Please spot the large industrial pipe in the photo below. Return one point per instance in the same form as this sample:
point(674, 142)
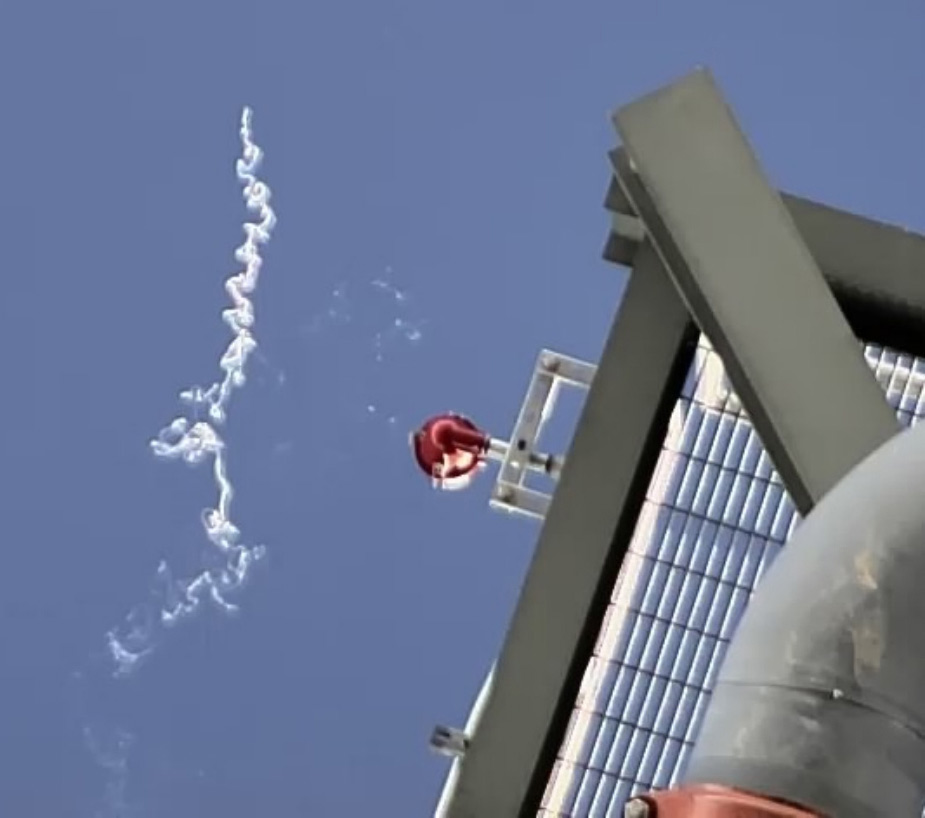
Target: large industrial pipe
point(821, 700)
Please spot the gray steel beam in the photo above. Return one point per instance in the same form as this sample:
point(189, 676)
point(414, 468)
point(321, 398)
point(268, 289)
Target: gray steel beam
point(581, 547)
point(740, 264)
point(876, 270)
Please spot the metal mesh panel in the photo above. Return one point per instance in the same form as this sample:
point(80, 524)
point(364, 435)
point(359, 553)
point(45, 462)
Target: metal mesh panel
point(715, 516)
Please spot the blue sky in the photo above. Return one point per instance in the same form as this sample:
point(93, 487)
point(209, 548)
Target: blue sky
point(455, 151)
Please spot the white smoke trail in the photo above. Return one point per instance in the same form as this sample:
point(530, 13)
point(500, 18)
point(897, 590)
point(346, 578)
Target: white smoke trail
point(194, 442)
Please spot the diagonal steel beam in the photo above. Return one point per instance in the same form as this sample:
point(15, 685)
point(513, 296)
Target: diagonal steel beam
point(582, 544)
point(741, 266)
point(876, 270)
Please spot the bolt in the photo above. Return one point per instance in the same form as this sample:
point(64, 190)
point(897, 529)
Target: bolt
point(550, 363)
point(505, 494)
point(637, 808)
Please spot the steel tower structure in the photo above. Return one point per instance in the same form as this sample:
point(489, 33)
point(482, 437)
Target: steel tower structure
point(765, 346)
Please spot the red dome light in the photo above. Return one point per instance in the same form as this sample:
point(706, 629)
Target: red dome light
point(449, 449)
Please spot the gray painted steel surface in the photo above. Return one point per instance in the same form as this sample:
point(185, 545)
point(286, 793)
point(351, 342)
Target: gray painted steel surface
point(819, 700)
point(737, 258)
point(876, 270)
point(580, 549)
point(715, 517)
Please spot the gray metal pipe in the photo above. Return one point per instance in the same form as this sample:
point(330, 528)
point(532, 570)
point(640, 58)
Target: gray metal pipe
point(821, 699)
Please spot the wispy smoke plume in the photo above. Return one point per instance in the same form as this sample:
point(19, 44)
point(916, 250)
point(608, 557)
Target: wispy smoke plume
point(195, 441)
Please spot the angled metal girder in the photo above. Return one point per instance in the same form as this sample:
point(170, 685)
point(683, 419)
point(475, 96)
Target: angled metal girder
point(740, 264)
point(581, 547)
point(876, 270)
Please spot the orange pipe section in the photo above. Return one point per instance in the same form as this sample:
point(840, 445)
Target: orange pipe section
point(711, 801)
